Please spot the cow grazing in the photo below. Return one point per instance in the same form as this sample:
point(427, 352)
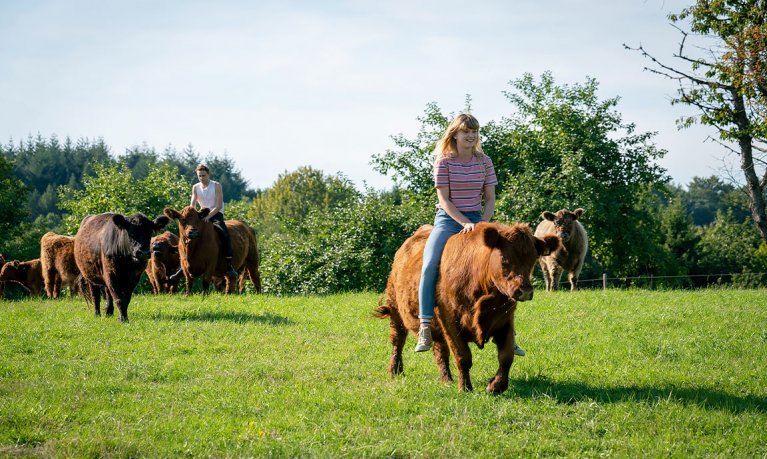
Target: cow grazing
point(201, 253)
point(57, 259)
point(112, 250)
point(482, 275)
point(163, 262)
point(570, 257)
point(27, 273)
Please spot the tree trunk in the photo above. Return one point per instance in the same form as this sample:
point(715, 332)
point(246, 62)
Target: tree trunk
point(755, 188)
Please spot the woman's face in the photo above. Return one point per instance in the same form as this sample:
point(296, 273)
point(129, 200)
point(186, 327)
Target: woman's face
point(203, 177)
point(466, 139)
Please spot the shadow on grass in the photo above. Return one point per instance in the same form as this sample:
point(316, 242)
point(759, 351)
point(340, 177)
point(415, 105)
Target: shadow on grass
point(573, 393)
point(231, 316)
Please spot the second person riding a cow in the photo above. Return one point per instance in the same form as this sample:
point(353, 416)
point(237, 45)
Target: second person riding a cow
point(208, 194)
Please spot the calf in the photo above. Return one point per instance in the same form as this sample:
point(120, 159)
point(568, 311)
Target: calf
point(482, 276)
point(28, 274)
point(575, 243)
point(57, 259)
point(163, 262)
point(112, 250)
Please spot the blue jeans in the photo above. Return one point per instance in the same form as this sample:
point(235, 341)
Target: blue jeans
point(444, 227)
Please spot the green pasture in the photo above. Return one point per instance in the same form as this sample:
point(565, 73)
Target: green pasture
point(617, 373)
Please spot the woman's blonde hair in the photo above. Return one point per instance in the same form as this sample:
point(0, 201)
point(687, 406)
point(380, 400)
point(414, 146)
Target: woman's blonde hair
point(446, 146)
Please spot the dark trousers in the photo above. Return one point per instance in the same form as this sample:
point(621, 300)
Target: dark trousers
point(223, 233)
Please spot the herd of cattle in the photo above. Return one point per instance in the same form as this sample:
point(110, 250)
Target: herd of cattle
point(110, 252)
point(483, 274)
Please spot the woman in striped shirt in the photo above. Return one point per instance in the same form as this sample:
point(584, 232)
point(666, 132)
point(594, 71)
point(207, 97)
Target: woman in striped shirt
point(462, 175)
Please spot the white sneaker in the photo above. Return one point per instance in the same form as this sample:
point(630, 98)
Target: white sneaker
point(519, 351)
point(424, 339)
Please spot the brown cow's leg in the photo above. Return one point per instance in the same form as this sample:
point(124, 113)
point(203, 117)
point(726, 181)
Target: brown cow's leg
point(546, 274)
point(442, 359)
point(96, 297)
point(48, 277)
point(556, 276)
point(505, 342)
point(573, 281)
point(189, 282)
point(56, 285)
point(397, 336)
point(462, 355)
point(122, 305)
point(110, 302)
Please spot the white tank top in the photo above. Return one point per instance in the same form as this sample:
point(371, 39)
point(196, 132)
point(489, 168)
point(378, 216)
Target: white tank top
point(207, 196)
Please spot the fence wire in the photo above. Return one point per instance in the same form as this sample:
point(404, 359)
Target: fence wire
point(741, 280)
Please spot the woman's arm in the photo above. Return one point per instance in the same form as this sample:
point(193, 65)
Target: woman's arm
point(487, 215)
point(194, 196)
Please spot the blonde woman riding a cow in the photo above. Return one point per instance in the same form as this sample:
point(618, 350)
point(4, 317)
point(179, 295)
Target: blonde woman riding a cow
point(463, 174)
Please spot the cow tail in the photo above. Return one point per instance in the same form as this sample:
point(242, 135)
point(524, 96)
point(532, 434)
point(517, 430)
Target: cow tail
point(85, 290)
point(383, 310)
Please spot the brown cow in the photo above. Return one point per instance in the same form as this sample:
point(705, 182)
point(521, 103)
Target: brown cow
point(575, 243)
point(200, 249)
point(482, 275)
point(112, 250)
point(27, 273)
point(57, 259)
point(163, 262)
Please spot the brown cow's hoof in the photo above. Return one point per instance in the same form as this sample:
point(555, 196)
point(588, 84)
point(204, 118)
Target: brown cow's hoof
point(496, 387)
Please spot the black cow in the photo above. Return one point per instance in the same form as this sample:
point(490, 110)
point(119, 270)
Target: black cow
point(111, 251)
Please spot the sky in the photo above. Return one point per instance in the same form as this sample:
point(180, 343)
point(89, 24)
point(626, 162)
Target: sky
point(275, 85)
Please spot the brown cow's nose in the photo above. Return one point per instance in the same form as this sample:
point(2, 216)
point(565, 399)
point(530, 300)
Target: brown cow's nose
point(525, 292)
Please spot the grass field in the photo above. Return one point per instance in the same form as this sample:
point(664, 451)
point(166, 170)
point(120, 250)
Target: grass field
point(617, 373)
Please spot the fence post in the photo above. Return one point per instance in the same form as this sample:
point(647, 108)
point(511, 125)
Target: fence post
point(604, 281)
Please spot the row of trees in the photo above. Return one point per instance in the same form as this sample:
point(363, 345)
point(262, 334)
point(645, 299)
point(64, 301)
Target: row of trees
point(562, 147)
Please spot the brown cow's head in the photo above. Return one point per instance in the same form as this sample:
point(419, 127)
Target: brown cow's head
point(162, 248)
point(517, 252)
point(139, 230)
point(190, 221)
point(563, 222)
point(13, 270)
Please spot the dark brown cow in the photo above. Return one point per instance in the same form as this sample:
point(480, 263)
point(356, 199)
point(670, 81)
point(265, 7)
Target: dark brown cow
point(112, 250)
point(200, 249)
point(570, 256)
point(163, 262)
point(57, 259)
point(483, 274)
point(27, 273)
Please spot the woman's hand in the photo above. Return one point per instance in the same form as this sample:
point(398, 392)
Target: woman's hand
point(467, 227)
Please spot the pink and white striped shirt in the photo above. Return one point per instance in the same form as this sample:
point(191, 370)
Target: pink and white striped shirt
point(465, 181)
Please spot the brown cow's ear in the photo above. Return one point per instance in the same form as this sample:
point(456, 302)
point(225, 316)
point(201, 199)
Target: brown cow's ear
point(204, 212)
point(547, 244)
point(546, 215)
point(171, 213)
point(578, 212)
point(160, 222)
point(120, 221)
point(490, 236)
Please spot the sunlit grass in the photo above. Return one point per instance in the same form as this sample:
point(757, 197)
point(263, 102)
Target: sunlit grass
point(616, 373)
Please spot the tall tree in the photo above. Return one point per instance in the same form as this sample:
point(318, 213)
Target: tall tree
point(725, 78)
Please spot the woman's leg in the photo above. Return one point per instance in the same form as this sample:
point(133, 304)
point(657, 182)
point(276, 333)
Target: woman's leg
point(444, 227)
